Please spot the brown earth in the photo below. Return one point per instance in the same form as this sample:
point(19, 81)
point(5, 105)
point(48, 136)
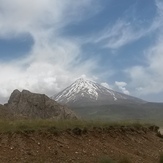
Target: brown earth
point(139, 145)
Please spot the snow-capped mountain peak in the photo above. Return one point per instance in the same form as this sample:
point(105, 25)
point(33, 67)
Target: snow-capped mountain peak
point(80, 86)
point(86, 91)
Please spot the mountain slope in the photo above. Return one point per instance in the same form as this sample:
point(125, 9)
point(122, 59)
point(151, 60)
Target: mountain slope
point(84, 92)
point(91, 100)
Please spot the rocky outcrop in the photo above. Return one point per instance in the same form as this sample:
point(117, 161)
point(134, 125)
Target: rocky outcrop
point(5, 113)
point(32, 105)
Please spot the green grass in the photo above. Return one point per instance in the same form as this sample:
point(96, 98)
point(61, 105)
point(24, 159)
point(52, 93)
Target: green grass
point(59, 125)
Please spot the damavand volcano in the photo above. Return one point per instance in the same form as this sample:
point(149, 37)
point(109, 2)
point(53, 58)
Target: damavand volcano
point(92, 100)
point(84, 92)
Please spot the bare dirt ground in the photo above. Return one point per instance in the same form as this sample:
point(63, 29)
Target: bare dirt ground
point(81, 146)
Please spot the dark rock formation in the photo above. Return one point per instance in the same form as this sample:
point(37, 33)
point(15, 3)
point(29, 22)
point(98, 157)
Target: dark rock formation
point(32, 105)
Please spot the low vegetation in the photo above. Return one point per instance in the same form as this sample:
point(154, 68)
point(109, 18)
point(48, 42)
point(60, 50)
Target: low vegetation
point(60, 125)
point(123, 131)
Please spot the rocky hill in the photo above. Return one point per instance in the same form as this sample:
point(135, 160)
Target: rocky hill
point(5, 113)
point(32, 105)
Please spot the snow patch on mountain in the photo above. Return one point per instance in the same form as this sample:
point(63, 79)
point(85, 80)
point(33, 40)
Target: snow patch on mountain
point(85, 92)
point(84, 88)
point(81, 85)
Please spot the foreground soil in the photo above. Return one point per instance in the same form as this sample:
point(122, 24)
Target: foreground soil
point(139, 145)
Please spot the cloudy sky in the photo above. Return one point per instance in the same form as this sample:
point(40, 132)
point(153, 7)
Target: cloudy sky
point(47, 44)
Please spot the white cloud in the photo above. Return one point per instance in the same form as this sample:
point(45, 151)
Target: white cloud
point(29, 16)
point(45, 72)
point(54, 61)
point(149, 79)
point(122, 87)
point(106, 85)
point(123, 32)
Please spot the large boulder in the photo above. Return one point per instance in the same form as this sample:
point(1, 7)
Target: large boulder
point(32, 105)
